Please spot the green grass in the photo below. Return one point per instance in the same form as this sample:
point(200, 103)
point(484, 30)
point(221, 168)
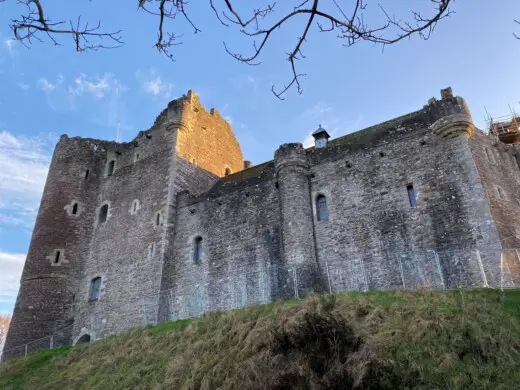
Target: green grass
point(377, 340)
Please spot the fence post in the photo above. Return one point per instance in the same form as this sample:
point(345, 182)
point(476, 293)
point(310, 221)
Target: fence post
point(143, 307)
point(439, 267)
point(483, 273)
point(52, 342)
point(171, 304)
point(400, 268)
point(295, 283)
point(328, 277)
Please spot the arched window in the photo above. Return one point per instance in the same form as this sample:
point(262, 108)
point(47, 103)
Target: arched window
point(75, 209)
point(111, 166)
point(227, 172)
point(103, 213)
point(197, 249)
point(95, 289)
point(322, 211)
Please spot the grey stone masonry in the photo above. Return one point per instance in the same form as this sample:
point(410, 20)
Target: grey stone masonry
point(175, 223)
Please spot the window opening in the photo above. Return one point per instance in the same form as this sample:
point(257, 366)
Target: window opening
point(103, 213)
point(158, 219)
point(111, 166)
point(411, 195)
point(227, 172)
point(197, 249)
point(86, 173)
point(322, 209)
point(489, 155)
point(501, 193)
point(135, 206)
point(95, 288)
point(85, 339)
point(57, 257)
point(75, 208)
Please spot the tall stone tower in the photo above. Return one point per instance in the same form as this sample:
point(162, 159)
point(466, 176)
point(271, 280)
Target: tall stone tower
point(299, 242)
point(107, 216)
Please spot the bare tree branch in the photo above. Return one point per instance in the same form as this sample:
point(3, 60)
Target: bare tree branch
point(347, 17)
point(34, 24)
point(517, 36)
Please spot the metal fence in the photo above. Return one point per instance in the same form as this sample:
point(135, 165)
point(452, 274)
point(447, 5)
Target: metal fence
point(374, 271)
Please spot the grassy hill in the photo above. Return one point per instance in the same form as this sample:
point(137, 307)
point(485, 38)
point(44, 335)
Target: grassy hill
point(379, 340)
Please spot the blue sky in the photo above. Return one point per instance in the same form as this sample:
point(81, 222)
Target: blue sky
point(47, 90)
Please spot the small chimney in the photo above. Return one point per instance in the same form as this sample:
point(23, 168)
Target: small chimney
point(321, 137)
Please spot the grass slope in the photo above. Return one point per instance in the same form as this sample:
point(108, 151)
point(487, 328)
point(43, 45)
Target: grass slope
point(378, 340)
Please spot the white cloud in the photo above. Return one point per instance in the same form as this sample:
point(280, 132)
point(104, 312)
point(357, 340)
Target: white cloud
point(23, 86)
point(10, 45)
point(45, 85)
point(11, 265)
point(317, 112)
point(154, 84)
point(25, 162)
point(97, 86)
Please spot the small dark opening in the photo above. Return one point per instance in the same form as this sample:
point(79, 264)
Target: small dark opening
point(103, 213)
point(57, 257)
point(158, 219)
point(75, 208)
point(73, 298)
point(348, 164)
point(135, 207)
point(423, 143)
point(85, 339)
point(197, 252)
point(382, 154)
point(86, 173)
point(411, 195)
point(227, 172)
point(111, 166)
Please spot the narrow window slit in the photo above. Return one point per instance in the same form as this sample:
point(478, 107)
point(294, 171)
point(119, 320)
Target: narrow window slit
point(411, 195)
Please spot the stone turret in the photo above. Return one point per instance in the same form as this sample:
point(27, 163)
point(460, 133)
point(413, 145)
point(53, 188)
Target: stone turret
point(450, 116)
point(292, 172)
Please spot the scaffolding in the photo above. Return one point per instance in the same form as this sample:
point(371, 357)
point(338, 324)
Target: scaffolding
point(506, 127)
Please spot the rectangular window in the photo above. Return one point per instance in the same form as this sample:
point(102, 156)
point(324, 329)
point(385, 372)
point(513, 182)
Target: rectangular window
point(489, 155)
point(411, 195)
point(95, 288)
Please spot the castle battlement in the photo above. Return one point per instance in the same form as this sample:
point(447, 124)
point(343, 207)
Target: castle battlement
point(178, 209)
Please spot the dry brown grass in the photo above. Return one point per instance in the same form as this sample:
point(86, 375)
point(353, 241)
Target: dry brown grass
point(398, 340)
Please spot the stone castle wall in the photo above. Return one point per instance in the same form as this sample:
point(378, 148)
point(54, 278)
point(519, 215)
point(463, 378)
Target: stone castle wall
point(184, 179)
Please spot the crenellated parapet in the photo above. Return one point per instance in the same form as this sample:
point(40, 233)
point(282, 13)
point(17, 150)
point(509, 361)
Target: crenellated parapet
point(290, 155)
point(450, 116)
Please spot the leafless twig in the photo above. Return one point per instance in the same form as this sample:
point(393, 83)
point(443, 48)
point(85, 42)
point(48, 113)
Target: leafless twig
point(347, 17)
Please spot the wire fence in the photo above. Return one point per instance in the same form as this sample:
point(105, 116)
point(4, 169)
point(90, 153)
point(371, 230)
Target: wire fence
point(240, 288)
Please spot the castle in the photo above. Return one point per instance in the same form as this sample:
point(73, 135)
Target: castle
point(178, 209)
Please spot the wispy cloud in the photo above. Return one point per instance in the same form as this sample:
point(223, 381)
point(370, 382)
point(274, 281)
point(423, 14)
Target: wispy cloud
point(324, 114)
point(11, 46)
point(11, 265)
point(96, 86)
point(24, 163)
point(153, 83)
point(45, 85)
point(23, 85)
